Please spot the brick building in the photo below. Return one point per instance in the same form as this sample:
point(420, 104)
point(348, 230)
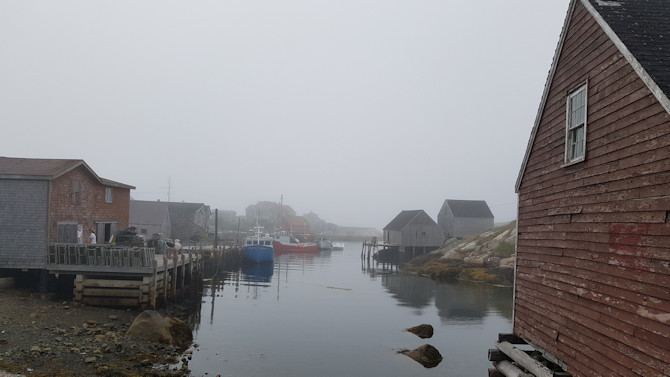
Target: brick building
point(52, 200)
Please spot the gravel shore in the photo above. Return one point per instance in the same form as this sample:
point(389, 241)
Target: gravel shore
point(40, 336)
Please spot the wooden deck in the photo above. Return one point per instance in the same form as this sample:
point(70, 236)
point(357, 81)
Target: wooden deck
point(109, 275)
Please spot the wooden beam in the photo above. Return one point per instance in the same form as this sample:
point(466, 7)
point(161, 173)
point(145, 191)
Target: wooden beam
point(510, 370)
point(532, 365)
point(495, 373)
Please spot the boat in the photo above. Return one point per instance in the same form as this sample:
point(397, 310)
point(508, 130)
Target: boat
point(285, 243)
point(338, 246)
point(257, 248)
point(324, 243)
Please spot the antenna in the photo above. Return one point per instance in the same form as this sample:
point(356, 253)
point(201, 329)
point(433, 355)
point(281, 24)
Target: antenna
point(168, 188)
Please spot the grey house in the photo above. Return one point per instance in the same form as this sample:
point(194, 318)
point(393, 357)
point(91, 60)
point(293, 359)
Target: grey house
point(189, 221)
point(150, 217)
point(462, 218)
point(413, 230)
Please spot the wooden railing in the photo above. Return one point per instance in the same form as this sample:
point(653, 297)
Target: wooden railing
point(100, 255)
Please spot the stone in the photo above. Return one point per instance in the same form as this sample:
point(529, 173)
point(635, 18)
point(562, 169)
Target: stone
point(422, 331)
point(151, 326)
point(426, 355)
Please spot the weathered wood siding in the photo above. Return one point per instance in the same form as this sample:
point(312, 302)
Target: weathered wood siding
point(23, 219)
point(593, 267)
point(461, 227)
point(422, 232)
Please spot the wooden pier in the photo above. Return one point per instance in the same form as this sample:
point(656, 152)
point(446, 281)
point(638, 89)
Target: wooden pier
point(108, 275)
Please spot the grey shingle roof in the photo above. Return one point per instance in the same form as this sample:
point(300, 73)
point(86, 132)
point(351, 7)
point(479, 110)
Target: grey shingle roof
point(644, 27)
point(402, 219)
point(469, 208)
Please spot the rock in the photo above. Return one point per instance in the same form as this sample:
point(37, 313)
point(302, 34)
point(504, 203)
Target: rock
point(426, 355)
point(151, 326)
point(422, 331)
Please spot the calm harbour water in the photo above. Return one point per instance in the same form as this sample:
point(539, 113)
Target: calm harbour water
point(330, 314)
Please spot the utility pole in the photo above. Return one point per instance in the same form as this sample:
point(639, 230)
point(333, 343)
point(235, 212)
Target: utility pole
point(216, 228)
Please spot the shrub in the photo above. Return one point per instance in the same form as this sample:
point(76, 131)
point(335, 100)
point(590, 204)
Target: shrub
point(505, 250)
point(478, 274)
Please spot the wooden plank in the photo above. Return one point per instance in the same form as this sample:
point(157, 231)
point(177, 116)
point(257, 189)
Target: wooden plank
point(530, 364)
point(111, 283)
point(495, 373)
point(100, 301)
point(117, 292)
point(510, 370)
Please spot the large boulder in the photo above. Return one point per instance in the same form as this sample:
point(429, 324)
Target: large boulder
point(426, 355)
point(151, 326)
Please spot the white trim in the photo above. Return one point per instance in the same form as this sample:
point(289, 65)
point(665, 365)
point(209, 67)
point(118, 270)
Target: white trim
point(568, 126)
point(637, 67)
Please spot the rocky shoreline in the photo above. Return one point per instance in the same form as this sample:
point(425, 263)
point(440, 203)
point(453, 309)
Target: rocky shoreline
point(487, 257)
point(40, 336)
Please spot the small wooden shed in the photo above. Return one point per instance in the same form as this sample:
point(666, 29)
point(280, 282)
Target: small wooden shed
point(45, 201)
point(414, 230)
point(593, 254)
point(462, 218)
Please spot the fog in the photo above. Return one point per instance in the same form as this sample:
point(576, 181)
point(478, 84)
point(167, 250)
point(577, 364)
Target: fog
point(354, 110)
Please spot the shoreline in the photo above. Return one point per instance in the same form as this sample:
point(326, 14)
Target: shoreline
point(43, 336)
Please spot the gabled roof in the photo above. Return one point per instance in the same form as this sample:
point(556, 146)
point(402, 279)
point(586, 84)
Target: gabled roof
point(182, 208)
point(641, 32)
point(147, 212)
point(644, 29)
point(47, 169)
point(402, 219)
point(469, 208)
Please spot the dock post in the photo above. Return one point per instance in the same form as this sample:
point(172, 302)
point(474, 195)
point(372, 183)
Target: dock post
point(154, 284)
point(173, 289)
point(166, 275)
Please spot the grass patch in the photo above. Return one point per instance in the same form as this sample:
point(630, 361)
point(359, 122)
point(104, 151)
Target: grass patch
point(505, 250)
point(439, 271)
point(478, 274)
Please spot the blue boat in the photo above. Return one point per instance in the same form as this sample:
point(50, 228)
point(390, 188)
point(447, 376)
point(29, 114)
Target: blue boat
point(258, 249)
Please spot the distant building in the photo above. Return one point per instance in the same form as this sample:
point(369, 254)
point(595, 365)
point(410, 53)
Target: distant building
point(189, 221)
point(150, 217)
point(228, 220)
point(53, 200)
point(413, 230)
point(267, 214)
point(462, 218)
point(295, 225)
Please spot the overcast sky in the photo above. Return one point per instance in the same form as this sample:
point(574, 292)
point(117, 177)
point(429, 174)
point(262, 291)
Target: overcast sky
point(352, 109)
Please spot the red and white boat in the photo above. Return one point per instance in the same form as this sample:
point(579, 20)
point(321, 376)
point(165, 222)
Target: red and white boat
point(285, 243)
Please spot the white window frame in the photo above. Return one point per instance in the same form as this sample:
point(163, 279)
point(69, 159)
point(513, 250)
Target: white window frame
point(571, 156)
point(108, 195)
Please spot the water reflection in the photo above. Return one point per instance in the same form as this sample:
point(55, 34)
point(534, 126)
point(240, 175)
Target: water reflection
point(460, 301)
point(325, 310)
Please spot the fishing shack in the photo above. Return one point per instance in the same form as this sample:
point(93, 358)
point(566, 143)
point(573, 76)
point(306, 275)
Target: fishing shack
point(414, 232)
point(593, 252)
